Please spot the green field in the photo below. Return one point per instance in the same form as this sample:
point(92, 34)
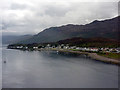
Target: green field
point(110, 55)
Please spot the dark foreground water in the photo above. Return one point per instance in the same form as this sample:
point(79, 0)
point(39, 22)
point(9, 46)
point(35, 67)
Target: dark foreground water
point(25, 69)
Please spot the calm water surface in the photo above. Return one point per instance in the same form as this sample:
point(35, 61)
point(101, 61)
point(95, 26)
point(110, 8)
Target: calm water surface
point(49, 69)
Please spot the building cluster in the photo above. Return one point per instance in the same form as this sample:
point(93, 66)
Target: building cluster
point(93, 49)
point(62, 46)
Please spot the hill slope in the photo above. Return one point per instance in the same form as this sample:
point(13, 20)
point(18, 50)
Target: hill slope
point(91, 42)
point(106, 28)
point(10, 39)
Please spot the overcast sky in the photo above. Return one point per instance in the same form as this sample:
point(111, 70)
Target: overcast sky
point(33, 16)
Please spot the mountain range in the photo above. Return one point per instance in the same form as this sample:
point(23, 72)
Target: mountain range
point(9, 39)
point(109, 28)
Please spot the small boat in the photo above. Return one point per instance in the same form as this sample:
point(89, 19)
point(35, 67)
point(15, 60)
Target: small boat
point(57, 52)
point(4, 61)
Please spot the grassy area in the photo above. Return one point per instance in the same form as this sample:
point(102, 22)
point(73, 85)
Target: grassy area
point(74, 50)
point(110, 55)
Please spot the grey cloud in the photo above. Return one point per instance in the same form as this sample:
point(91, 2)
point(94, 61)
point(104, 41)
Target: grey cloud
point(15, 6)
point(57, 10)
point(24, 18)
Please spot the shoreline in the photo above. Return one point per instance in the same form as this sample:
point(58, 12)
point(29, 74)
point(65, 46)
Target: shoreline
point(91, 55)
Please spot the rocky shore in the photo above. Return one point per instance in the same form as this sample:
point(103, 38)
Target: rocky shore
point(92, 55)
point(103, 59)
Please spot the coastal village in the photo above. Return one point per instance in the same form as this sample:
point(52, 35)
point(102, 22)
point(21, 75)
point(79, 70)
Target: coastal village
point(106, 54)
point(64, 47)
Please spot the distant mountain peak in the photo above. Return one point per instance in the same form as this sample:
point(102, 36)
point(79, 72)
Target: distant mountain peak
point(95, 21)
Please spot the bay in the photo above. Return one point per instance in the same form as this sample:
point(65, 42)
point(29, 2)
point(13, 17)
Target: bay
point(51, 69)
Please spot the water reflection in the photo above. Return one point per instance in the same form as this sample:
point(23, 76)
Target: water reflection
point(50, 69)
